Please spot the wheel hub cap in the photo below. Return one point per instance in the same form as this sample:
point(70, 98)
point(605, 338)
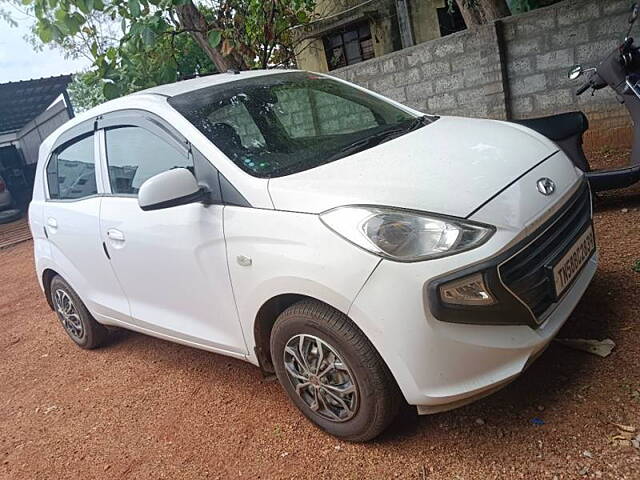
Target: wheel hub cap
point(321, 378)
point(68, 313)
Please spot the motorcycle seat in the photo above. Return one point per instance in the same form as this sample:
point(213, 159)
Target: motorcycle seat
point(558, 127)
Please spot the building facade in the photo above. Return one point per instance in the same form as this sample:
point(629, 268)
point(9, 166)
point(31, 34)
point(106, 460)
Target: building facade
point(346, 32)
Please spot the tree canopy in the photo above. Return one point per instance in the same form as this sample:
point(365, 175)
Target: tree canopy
point(134, 44)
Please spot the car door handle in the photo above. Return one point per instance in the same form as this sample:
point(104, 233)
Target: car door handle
point(116, 235)
point(52, 223)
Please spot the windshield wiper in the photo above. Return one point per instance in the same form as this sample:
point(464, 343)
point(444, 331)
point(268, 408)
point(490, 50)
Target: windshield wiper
point(371, 141)
point(359, 146)
point(381, 137)
point(422, 120)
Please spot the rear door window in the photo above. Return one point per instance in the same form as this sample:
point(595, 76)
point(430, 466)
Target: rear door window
point(71, 172)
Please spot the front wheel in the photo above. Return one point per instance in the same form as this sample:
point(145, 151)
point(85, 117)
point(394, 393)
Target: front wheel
point(332, 373)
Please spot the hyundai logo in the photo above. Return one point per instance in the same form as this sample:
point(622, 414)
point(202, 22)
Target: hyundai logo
point(546, 186)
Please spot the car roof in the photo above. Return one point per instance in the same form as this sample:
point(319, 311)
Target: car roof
point(185, 86)
point(154, 96)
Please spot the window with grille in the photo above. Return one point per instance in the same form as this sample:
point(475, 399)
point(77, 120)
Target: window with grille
point(352, 44)
point(450, 20)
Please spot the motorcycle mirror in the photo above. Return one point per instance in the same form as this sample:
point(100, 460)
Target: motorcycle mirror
point(575, 72)
point(632, 19)
point(634, 13)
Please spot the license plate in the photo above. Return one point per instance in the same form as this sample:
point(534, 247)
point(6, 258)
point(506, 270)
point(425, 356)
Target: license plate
point(572, 262)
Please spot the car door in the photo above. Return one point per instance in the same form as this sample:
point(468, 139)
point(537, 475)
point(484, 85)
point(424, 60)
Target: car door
point(171, 262)
point(72, 224)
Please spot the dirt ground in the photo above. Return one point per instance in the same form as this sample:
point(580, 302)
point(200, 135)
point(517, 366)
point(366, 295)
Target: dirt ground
point(145, 408)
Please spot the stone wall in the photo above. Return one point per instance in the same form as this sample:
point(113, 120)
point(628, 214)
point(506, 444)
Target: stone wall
point(458, 74)
point(541, 47)
point(514, 68)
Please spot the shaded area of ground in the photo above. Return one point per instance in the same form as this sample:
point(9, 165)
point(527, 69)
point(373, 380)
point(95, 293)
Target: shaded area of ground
point(145, 408)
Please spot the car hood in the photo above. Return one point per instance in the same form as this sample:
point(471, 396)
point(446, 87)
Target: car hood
point(451, 166)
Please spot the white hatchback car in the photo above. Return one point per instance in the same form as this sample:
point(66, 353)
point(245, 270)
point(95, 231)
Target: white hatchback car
point(364, 252)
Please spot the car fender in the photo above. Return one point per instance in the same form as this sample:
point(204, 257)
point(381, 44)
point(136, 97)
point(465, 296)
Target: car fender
point(272, 253)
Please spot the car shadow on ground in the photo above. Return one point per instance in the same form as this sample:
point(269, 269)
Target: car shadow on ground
point(617, 199)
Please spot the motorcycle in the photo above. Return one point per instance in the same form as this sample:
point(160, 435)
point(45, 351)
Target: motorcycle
point(620, 70)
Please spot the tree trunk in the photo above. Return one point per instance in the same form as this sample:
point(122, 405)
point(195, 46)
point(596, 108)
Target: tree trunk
point(480, 12)
point(194, 22)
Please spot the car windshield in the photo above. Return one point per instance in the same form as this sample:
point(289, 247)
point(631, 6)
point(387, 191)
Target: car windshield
point(276, 125)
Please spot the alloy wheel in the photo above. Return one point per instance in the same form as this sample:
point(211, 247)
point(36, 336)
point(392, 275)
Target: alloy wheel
point(321, 378)
point(68, 314)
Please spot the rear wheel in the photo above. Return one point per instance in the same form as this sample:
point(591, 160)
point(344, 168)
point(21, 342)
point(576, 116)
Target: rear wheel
point(76, 320)
point(332, 373)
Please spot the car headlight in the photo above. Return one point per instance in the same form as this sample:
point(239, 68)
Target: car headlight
point(405, 236)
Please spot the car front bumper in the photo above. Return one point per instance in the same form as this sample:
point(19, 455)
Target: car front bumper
point(442, 360)
point(439, 365)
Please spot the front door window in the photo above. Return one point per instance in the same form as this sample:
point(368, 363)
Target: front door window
point(134, 155)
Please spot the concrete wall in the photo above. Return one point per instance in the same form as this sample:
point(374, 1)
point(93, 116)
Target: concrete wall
point(541, 47)
point(515, 68)
point(458, 74)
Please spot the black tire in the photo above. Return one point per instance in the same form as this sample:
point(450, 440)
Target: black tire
point(10, 215)
point(83, 329)
point(378, 396)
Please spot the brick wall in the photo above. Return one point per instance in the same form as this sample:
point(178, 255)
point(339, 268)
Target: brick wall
point(515, 68)
point(458, 74)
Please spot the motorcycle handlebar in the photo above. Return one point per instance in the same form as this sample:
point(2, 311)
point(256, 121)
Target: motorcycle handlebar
point(583, 88)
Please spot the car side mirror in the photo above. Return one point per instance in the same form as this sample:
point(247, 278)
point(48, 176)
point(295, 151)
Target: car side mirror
point(169, 189)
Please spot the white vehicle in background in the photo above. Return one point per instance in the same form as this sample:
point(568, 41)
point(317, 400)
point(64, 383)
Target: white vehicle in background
point(364, 252)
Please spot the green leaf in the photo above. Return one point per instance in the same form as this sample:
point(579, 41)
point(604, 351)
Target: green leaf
point(110, 91)
point(98, 5)
point(45, 33)
point(82, 5)
point(214, 38)
point(134, 8)
point(148, 36)
point(136, 29)
point(60, 15)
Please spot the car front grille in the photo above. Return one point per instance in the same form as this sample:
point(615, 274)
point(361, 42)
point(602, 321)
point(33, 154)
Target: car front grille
point(526, 273)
